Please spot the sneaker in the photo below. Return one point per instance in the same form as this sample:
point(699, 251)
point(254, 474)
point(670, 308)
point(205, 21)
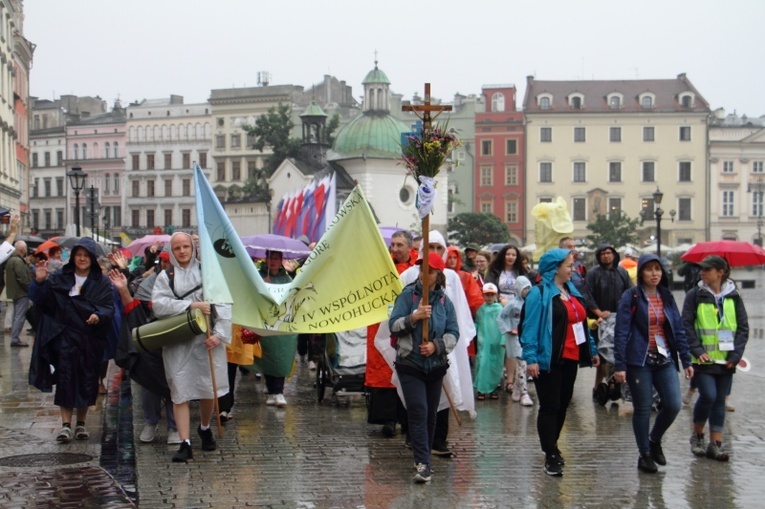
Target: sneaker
point(173, 437)
point(697, 445)
point(553, 466)
point(715, 452)
point(561, 459)
point(147, 433)
point(280, 401)
point(407, 443)
point(423, 473)
point(271, 400)
point(516, 393)
point(184, 453)
point(20, 344)
point(208, 441)
point(526, 400)
point(65, 435)
point(442, 451)
point(657, 453)
point(729, 408)
point(80, 433)
point(688, 396)
point(389, 429)
point(646, 464)
point(226, 416)
point(311, 366)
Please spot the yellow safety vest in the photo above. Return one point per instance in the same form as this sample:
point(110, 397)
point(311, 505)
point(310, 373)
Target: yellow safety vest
point(707, 326)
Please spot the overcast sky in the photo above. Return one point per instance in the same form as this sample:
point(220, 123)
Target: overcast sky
point(153, 48)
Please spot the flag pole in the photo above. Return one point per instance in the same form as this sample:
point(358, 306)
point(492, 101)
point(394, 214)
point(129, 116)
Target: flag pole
point(214, 385)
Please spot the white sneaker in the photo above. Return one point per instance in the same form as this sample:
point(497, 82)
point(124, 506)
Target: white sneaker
point(526, 400)
point(173, 437)
point(516, 393)
point(280, 401)
point(311, 366)
point(148, 432)
point(271, 400)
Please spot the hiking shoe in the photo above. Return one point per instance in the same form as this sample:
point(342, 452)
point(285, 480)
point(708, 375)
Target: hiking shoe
point(173, 437)
point(552, 465)
point(147, 433)
point(389, 429)
point(280, 401)
point(208, 442)
point(646, 463)
point(657, 453)
point(715, 452)
point(65, 435)
point(271, 400)
point(80, 433)
point(442, 451)
point(697, 445)
point(184, 453)
point(423, 473)
point(526, 400)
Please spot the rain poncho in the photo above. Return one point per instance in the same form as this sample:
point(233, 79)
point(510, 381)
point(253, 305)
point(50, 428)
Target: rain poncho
point(187, 365)
point(491, 356)
point(510, 316)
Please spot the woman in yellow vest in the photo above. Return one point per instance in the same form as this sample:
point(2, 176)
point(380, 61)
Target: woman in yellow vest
point(717, 329)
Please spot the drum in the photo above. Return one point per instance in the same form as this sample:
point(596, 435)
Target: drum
point(170, 331)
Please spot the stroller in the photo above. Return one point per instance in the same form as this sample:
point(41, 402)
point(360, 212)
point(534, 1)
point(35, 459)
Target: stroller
point(343, 364)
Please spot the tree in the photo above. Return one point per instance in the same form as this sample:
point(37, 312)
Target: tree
point(273, 130)
point(332, 126)
point(616, 229)
point(477, 228)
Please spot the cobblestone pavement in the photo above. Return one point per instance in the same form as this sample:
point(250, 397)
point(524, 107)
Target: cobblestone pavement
point(312, 455)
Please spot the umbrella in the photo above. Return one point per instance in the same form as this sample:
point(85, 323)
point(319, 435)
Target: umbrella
point(735, 252)
point(69, 243)
point(388, 231)
point(257, 245)
point(138, 246)
point(31, 240)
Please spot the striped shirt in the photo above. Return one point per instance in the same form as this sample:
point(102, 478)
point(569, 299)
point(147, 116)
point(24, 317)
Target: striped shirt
point(655, 320)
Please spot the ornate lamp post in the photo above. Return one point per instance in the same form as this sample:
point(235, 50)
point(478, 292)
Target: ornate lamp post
point(77, 181)
point(757, 188)
point(658, 213)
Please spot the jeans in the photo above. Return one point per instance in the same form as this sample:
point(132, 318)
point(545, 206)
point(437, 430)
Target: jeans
point(642, 380)
point(152, 408)
point(421, 405)
point(275, 384)
point(554, 391)
point(711, 402)
point(19, 317)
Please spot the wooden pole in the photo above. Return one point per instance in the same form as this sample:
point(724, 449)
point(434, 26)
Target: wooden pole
point(424, 271)
point(216, 408)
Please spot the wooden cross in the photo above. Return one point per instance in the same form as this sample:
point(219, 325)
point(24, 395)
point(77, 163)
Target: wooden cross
point(427, 121)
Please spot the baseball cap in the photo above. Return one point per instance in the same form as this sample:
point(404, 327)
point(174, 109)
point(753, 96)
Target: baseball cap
point(434, 261)
point(164, 256)
point(490, 288)
point(714, 262)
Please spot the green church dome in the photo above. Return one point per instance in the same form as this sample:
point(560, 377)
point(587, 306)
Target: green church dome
point(313, 110)
point(373, 134)
point(376, 76)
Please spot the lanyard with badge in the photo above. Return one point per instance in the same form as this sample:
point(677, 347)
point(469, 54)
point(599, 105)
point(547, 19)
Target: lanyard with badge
point(578, 326)
point(661, 341)
point(724, 336)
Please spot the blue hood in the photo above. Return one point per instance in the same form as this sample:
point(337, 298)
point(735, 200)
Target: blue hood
point(549, 263)
point(650, 257)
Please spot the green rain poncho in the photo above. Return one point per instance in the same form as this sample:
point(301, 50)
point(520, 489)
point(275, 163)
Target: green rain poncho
point(490, 360)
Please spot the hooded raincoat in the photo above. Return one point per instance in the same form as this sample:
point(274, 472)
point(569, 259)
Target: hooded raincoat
point(473, 292)
point(490, 360)
point(187, 364)
point(510, 317)
point(64, 342)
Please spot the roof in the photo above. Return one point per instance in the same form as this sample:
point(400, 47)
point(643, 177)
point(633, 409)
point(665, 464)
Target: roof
point(372, 134)
point(313, 110)
point(595, 95)
point(376, 76)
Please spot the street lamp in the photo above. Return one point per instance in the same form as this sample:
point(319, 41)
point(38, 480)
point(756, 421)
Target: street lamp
point(757, 188)
point(77, 181)
point(658, 213)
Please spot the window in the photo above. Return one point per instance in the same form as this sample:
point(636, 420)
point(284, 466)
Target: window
point(150, 188)
point(486, 207)
point(220, 141)
point(615, 134)
point(684, 209)
point(511, 147)
point(236, 140)
point(60, 158)
point(580, 209)
point(236, 171)
point(47, 183)
point(76, 151)
point(498, 102)
point(544, 103)
point(220, 172)
point(149, 219)
point(149, 161)
point(59, 186)
point(84, 150)
point(186, 218)
point(36, 188)
point(757, 203)
point(106, 183)
point(615, 102)
point(757, 166)
point(116, 150)
point(727, 166)
point(685, 133)
point(168, 161)
point(34, 160)
point(684, 171)
point(135, 218)
point(580, 172)
point(136, 161)
point(687, 101)
point(186, 187)
point(136, 188)
point(648, 171)
point(116, 216)
point(168, 217)
point(48, 218)
point(252, 167)
point(486, 147)
point(60, 219)
point(107, 150)
point(116, 186)
point(487, 177)
point(615, 171)
point(647, 206)
point(545, 134)
point(614, 207)
point(728, 203)
point(36, 218)
point(168, 188)
point(545, 172)
point(511, 175)
point(648, 134)
point(579, 134)
point(576, 103)
point(646, 101)
point(203, 159)
point(545, 200)
point(511, 211)
point(47, 159)
point(186, 160)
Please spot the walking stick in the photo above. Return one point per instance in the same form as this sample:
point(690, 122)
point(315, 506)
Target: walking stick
point(451, 404)
point(216, 408)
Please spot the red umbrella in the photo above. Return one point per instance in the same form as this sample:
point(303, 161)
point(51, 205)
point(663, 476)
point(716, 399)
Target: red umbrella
point(737, 253)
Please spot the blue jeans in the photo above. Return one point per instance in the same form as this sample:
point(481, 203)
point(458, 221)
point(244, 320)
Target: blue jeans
point(642, 380)
point(711, 402)
point(421, 399)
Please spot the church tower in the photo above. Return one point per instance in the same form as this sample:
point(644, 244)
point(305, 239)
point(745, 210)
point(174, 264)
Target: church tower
point(313, 149)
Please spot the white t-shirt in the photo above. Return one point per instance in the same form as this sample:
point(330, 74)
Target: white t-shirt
point(78, 282)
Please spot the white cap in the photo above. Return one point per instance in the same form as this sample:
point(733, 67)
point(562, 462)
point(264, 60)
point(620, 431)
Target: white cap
point(490, 288)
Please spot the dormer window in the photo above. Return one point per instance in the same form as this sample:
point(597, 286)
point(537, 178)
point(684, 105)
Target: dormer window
point(686, 100)
point(615, 102)
point(545, 102)
point(576, 102)
point(647, 100)
point(498, 102)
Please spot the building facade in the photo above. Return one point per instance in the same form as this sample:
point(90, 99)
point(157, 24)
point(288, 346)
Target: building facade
point(608, 145)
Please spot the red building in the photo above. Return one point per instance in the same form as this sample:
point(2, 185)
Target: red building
point(500, 160)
